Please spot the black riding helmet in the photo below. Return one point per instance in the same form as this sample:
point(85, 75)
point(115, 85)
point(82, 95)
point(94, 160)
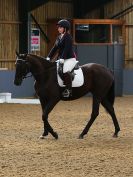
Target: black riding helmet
point(64, 23)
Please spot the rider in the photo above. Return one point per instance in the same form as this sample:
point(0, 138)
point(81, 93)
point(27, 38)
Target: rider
point(64, 46)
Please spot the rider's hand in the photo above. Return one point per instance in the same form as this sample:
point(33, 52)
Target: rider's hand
point(47, 58)
point(61, 61)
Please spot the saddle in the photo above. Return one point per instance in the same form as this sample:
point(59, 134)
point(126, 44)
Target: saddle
point(60, 70)
point(77, 75)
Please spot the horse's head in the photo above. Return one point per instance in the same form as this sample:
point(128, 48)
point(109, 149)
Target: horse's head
point(22, 68)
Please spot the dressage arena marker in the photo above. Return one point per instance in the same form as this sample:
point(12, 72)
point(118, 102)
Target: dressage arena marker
point(6, 98)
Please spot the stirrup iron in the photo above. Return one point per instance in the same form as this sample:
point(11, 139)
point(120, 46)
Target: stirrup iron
point(67, 93)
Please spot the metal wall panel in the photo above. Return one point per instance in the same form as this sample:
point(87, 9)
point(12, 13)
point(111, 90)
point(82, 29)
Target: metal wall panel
point(128, 82)
point(7, 85)
point(110, 56)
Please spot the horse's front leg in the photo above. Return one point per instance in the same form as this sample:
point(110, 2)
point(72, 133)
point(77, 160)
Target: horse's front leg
point(45, 133)
point(46, 109)
point(43, 105)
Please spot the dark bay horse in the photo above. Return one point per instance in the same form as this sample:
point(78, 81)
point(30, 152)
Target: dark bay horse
point(97, 79)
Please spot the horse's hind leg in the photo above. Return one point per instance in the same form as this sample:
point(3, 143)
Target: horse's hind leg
point(110, 109)
point(94, 114)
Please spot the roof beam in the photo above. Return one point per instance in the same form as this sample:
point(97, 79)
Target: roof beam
point(81, 8)
point(33, 4)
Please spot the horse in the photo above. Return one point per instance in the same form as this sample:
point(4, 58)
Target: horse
point(98, 80)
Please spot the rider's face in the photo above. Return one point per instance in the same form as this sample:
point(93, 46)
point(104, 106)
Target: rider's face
point(61, 30)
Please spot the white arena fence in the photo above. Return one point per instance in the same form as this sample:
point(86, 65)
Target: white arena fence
point(6, 98)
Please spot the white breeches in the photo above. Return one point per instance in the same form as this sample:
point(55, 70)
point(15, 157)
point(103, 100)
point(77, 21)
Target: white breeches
point(69, 64)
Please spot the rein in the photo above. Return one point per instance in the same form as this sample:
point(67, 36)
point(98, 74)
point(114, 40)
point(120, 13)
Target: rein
point(25, 77)
point(36, 74)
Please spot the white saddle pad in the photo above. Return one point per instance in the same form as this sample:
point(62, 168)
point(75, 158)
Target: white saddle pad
point(78, 79)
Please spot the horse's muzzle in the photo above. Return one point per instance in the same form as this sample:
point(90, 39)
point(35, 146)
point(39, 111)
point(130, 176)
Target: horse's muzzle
point(17, 82)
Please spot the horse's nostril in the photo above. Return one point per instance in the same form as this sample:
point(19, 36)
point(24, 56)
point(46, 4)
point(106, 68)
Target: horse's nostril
point(17, 82)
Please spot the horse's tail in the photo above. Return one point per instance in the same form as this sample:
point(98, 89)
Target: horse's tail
point(111, 94)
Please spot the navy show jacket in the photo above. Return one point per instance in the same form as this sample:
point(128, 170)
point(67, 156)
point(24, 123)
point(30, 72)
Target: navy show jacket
point(64, 46)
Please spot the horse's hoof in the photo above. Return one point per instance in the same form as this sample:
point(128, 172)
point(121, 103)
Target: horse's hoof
point(45, 133)
point(115, 135)
point(80, 137)
point(41, 137)
point(55, 135)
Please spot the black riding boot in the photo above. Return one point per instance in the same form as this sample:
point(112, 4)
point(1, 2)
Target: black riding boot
point(68, 82)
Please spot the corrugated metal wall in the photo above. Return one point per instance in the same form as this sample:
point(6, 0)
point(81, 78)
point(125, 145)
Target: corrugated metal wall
point(9, 26)
point(112, 8)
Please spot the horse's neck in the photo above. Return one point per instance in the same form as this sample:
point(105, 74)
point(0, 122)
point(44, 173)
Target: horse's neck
point(34, 64)
point(39, 61)
point(39, 66)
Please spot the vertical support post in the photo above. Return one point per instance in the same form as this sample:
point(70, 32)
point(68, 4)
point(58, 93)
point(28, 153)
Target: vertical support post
point(29, 32)
point(23, 33)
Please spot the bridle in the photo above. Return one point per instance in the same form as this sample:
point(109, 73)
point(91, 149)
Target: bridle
point(28, 69)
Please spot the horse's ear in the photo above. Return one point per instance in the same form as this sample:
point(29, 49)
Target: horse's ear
point(25, 55)
point(17, 53)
